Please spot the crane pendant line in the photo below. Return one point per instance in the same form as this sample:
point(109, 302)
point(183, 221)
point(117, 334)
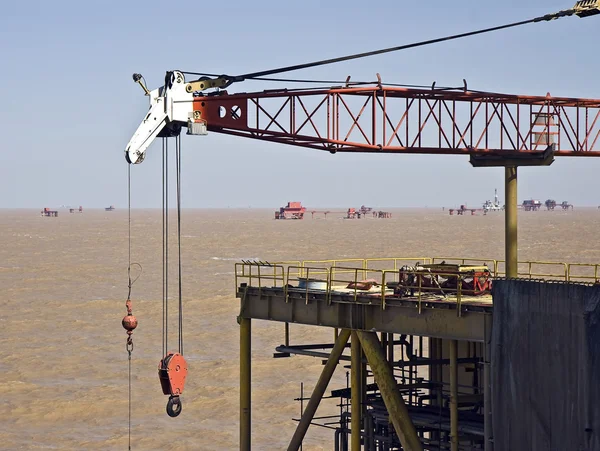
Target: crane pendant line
point(583, 8)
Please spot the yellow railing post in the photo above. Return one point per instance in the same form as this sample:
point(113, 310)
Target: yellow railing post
point(307, 270)
point(383, 290)
point(420, 284)
point(259, 281)
point(236, 276)
point(285, 286)
point(459, 294)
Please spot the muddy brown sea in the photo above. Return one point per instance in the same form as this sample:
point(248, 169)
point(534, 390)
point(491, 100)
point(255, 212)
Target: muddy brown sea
point(63, 362)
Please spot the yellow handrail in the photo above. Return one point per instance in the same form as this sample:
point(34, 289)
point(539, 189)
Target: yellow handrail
point(386, 269)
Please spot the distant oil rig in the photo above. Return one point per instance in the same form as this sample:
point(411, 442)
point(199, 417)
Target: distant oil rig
point(295, 210)
point(488, 205)
point(527, 205)
point(551, 205)
point(49, 213)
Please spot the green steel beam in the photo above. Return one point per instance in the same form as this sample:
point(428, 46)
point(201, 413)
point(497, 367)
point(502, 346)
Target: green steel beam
point(319, 390)
point(510, 219)
point(394, 403)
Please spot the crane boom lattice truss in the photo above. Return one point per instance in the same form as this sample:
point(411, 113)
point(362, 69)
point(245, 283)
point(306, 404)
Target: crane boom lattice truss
point(399, 120)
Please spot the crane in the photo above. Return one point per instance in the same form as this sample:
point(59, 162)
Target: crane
point(383, 118)
point(493, 129)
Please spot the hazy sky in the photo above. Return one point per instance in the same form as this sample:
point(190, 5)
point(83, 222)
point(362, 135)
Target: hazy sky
point(69, 105)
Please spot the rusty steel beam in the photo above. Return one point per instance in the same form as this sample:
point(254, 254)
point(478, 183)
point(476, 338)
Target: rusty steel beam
point(384, 119)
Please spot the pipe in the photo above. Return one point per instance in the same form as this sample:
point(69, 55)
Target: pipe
point(453, 395)
point(394, 403)
point(425, 362)
point(245, 387)
point(318, 391)
point(356, 392)
point(300, 351)
point(510, 221)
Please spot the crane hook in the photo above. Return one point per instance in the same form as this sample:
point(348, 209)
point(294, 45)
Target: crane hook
point(172, 371)
point(174, 406)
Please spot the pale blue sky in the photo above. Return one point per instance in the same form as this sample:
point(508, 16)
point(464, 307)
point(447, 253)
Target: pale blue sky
point(69, 105)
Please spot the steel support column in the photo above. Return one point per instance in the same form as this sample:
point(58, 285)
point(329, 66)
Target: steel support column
point(245, 387)
point(319, 390)
point(510, 218)
point(487, 387)
point(389, 391)
point(453, 395)
point(356, 392)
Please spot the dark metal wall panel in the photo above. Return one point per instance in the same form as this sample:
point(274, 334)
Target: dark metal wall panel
point(545, 366)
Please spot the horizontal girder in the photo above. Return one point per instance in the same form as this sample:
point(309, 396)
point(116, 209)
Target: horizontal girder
point(384, 119)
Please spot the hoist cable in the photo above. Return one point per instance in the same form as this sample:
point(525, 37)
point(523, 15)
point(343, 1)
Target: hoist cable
point(129, 358)
point(129, 349)
point(178, 169)
point(166, 244)
point(129, 230)
point(162, 212)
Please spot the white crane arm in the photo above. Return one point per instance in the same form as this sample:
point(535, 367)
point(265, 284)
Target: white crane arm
point(171, 107)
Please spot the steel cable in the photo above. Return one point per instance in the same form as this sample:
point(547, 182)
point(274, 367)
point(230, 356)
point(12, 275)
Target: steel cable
point(279, 70)
point(178, 169)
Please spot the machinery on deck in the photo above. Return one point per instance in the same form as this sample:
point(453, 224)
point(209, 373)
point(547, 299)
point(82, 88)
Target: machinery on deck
point(474, 280)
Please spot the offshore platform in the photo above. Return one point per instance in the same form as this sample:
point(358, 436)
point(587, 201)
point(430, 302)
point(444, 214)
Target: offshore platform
point(445, 353)
point(295, 210)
